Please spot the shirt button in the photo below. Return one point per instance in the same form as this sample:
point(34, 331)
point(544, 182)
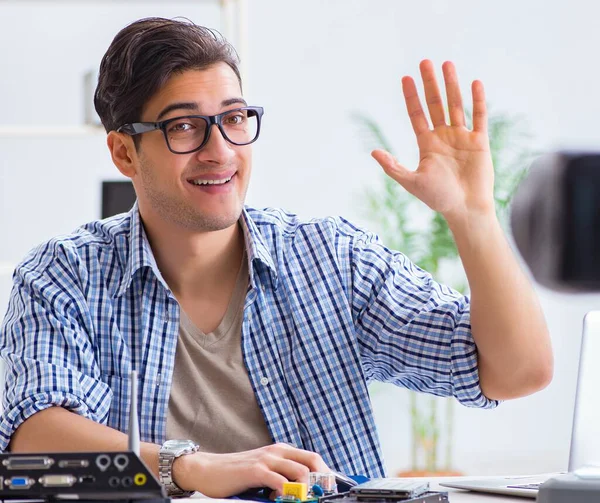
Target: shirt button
point(264, 381)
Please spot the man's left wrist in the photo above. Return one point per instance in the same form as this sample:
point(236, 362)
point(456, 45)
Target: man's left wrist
point(170, 453)
point(472, 222)
point(183, 466)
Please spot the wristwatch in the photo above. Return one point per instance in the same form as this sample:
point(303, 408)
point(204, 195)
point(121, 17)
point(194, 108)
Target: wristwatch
point(168, 453)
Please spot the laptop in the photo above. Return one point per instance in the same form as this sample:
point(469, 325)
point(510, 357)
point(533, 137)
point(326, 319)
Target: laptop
point(585, 442)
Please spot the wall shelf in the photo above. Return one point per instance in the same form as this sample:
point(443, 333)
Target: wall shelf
point(8, 131)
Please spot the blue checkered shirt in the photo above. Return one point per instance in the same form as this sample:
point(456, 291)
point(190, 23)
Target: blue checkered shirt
point(328, 310)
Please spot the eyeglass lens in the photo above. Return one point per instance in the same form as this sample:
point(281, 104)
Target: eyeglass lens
point(239, 127)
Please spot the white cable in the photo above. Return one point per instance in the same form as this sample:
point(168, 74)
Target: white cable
point(134, 427)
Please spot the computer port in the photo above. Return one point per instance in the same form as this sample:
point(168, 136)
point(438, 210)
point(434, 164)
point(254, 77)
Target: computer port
point(103, 461)
point(19, 482)
point(114, 482)
point(73, 463)
point(121, 461)
point(57, 480)
point(127, 481)
point(87, 479)
point(28, 463)
point(140, 479)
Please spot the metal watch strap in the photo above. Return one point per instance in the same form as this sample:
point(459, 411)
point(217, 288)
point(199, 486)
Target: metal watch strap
point(165, 470)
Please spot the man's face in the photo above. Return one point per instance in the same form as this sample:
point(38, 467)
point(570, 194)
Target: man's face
point(167, 184)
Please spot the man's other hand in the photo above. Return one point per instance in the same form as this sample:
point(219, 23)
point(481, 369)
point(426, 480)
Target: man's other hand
point(223, 475)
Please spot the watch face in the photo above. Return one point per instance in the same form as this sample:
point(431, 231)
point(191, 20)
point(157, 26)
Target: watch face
point(178, 444)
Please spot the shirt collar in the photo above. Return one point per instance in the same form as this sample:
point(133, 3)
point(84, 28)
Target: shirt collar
point(257, 249)
point(140, 252)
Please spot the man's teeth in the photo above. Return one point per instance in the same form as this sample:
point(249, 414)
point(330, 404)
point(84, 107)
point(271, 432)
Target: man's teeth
point(211, 182)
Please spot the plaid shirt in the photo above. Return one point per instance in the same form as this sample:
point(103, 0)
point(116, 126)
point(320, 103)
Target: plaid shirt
point(328, 310)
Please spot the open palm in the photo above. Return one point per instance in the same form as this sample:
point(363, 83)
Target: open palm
point(455, 173)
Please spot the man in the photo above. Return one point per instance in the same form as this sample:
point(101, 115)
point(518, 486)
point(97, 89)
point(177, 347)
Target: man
point(254, 333)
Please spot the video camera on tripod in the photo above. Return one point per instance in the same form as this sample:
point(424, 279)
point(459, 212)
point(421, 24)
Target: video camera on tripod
point(555, 221)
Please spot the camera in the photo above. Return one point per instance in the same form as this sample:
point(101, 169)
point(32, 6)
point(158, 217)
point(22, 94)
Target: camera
point(555, 220)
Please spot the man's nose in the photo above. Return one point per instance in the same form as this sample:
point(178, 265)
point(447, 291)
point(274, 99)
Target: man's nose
point(217, 149)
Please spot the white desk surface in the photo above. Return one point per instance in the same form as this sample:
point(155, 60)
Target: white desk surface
point(460, 496)
point(454, 495)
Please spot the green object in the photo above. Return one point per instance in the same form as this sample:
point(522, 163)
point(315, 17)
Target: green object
point(406, 224)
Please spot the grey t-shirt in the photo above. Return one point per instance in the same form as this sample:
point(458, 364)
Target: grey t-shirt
point(212, 401)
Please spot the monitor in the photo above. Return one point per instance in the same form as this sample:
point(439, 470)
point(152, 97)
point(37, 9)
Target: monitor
point(117, 197)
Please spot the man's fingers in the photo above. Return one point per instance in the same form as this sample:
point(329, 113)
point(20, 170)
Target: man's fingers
point(272, 479)
point(290, 469)
point(278, 470)
point(479, 107)
point(394, 169)
point(433, 96)
point(455, 104)
point(270, 466)
point(309, 459)
point(413, 106)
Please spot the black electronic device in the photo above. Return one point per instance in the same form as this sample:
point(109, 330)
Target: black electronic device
point(84, 476)
point(87, 475)
point(555, 220)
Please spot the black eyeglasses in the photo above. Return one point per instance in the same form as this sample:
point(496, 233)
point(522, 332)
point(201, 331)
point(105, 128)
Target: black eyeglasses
point(190, 133)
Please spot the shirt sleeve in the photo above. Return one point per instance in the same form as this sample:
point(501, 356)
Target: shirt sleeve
point(46, 341)
point(412, 331)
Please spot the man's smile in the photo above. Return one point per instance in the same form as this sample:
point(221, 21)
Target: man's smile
point(219, 181)
point(214, 183)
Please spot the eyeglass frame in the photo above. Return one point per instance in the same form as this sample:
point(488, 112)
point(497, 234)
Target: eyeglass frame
point(135, 128)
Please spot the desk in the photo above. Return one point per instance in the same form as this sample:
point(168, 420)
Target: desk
point(454, 495)
point(460, 496)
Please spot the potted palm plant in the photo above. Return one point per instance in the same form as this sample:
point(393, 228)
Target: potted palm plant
point(430, 245)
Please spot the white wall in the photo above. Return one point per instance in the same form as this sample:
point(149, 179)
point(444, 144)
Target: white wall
point(311, 63)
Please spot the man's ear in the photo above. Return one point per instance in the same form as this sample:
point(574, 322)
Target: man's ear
point(123, 152)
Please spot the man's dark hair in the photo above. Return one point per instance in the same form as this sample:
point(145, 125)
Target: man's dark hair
point(144, 55)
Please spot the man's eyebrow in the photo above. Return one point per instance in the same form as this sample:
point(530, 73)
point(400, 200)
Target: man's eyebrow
point(193, 107)
point(234, 101)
